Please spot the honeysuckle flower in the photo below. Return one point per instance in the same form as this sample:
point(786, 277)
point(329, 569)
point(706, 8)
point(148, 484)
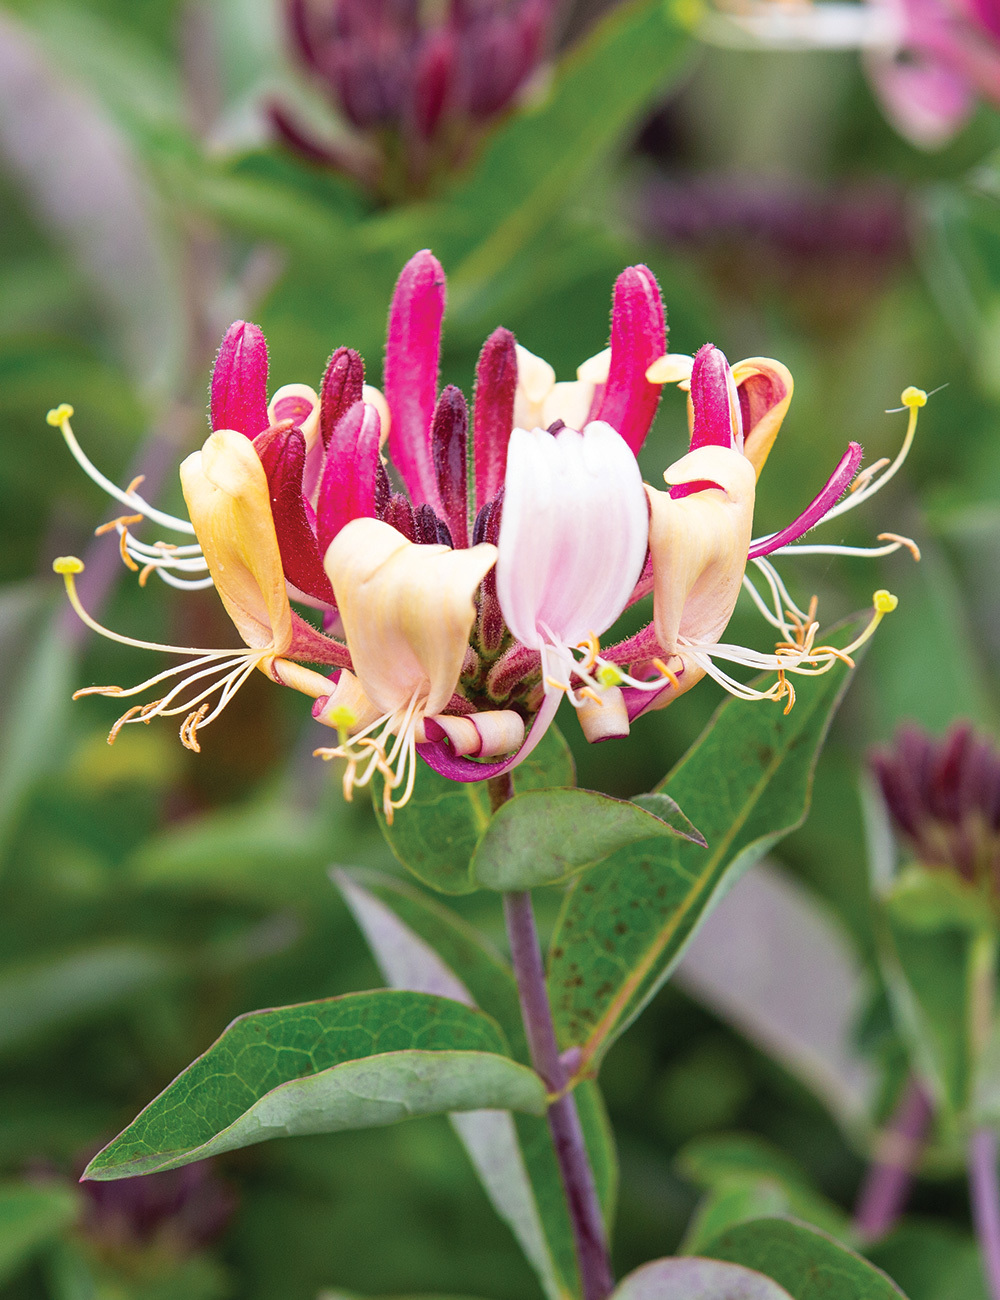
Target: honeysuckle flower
point(457, 612)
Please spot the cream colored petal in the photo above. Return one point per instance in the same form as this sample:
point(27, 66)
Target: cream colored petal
point(535, 376)
point(766, 387)
point(673, 368)
point(605, 718)
point(595, 369)
point(226, 491)
point(568, 401)
point(407, 611)
point(699, 545)
point(300, 403)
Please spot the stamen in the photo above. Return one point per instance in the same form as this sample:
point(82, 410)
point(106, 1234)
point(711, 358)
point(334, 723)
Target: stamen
point(913, 399)
point(59, 418)
point(403, 754)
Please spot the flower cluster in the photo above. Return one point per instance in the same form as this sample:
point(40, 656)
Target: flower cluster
point(463, 595)
point(944, 799)
point(416, 84)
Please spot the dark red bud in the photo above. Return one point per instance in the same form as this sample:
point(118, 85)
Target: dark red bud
point(282, 452)
point(449, 436)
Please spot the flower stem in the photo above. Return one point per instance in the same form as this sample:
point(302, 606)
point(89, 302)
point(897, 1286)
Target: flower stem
point(589, 1234)
point(886, 1185)
point(985, 1197)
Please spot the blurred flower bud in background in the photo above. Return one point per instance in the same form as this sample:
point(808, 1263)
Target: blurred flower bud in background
point(944, 800)
point(417, 84)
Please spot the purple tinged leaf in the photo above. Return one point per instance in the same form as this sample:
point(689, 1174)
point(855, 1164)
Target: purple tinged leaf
point(412, 357)
point(282, 452)
point(493, 412)
point(697, 1279)
point(638, 338)
point(239, 381)
point(343, 382)
point(449, 438)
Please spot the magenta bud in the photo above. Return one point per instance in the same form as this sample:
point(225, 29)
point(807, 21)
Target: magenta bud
point(282, 452)
point(343, 382)
point(493, 412)
point(717, 420)
point(239, 381)
point(638, 338)
point(412, 356)
point(449, 436)
point(347, 489)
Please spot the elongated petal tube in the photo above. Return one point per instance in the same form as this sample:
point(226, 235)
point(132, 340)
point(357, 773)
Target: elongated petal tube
point(239, 381)
point(227, 496)
point(411, 372)
point(407, 611)
point(638, 337)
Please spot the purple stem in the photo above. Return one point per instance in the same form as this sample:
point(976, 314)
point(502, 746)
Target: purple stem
point(564, 1119)
point(985, 1197)
point(886, 1186)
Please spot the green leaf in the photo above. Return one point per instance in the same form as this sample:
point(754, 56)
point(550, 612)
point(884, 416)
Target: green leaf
point(932, 1261)
point(54, 991)
point(746, 782)
point(545, 836)
point(543, 157)
point(697, 1279)
point(436, 833)
point(924, 900)
point(808, 1263)
point(423, 942)
point(350, 1062)
point(745, 1178)
point(668, 810)
point(30, 1216)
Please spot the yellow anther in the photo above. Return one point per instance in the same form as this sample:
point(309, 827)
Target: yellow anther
point(59, 415)
point(67, 564)
point(671, 677)
point(884, 601)
point(608, 675)
point(913, 397)
point(588, 694)
point(908, 542)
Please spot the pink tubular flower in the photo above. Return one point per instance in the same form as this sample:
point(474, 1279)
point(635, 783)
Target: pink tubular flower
point(457, 611)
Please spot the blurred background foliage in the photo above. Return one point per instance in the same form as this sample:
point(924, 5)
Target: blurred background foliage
point(149, 895)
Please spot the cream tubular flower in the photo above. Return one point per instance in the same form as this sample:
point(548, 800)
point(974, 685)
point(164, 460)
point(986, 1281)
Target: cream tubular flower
point(407, 610)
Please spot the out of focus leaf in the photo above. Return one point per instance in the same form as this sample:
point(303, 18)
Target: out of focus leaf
point(773, 962)
point(927, 900)
point(357, 1061)
point(544, 157)
point(623, 927)
point(932, 1261)
point(88, 190)
point(436, 833)
point(808, 1263)
point(30, 1216)
point(746, 1178)
point(543, 837)
point(53, 992)
point(697, 1279)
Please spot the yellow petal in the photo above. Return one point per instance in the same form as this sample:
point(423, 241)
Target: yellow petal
point(226, 491)
point(672, 368)
point(699, 545)
point(595, 369)
point(766, 387)
point(568, 401)
point(407, 611)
